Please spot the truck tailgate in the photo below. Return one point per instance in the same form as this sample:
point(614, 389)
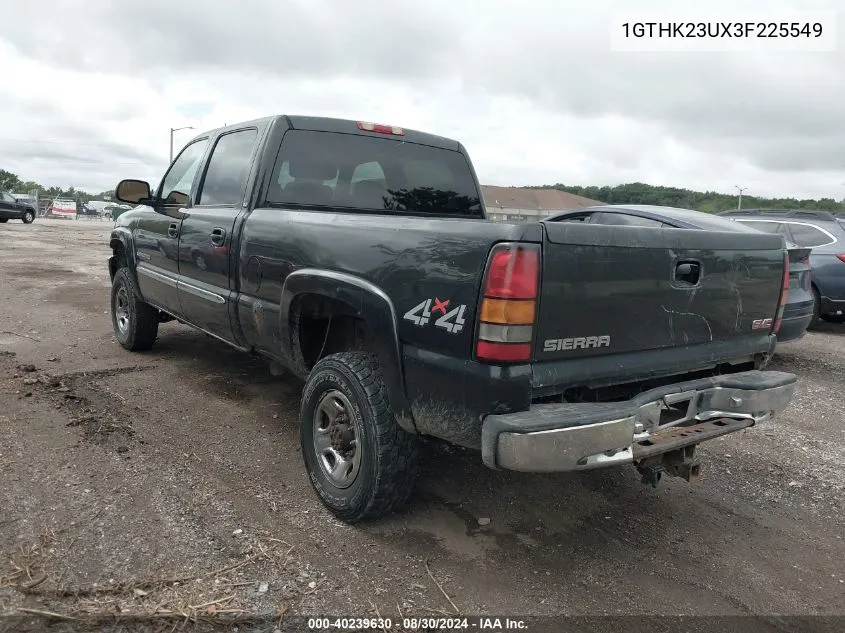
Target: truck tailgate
point(616, 290)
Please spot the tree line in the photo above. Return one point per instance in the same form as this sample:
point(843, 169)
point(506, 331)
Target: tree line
point(632, 193)
point(707, 201)
point(13, 183)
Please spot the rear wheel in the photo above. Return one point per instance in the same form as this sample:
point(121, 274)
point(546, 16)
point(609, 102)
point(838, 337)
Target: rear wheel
point(4, 220)
point(135, 323)
point(28, 217)
point(360, 462)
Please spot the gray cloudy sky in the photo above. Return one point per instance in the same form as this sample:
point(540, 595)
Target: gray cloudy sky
point(91, 88)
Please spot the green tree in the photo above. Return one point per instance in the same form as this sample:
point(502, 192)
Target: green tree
point(8, 180)
point(707, 201)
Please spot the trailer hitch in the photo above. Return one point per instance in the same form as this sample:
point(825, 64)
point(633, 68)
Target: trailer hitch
point(678, 463)
point(651, 474)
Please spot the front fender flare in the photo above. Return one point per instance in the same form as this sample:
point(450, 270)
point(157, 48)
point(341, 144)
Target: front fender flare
point(373, 305)
point(121, 237)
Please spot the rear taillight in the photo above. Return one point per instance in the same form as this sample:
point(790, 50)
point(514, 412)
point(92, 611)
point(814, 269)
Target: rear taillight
point(784, 294)
point(509, 304)
point(841, 258)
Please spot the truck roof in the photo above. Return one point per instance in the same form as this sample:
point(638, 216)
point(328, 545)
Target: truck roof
point(343, 126)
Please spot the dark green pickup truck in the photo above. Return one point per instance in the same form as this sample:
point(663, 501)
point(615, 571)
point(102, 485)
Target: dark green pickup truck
point(358, 257)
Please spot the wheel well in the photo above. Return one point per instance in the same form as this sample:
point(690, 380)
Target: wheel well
point(322, 326)
point(118, 259)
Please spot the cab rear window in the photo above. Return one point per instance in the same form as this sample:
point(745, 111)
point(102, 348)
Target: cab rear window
point(351, 171)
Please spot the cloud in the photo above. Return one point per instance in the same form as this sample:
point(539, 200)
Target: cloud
point(532, 90)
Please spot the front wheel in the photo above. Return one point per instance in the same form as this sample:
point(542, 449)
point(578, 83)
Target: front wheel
point(360, 462)
point(135, 323)
point(28, 217)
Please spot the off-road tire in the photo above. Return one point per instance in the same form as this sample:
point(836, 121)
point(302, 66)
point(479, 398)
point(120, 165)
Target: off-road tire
point(28, 217)
point(390, 455)
point(141, 329)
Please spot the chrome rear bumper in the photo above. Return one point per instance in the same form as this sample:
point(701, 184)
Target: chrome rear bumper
point(565, 437)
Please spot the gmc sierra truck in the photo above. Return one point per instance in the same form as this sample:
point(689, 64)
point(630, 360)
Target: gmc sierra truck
point(357, 256)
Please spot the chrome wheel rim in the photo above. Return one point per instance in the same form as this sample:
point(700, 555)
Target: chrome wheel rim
point(29, 217)
point(121, 309)
point(336, 434)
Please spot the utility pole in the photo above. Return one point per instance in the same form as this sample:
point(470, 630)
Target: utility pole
point(739, 203)
point(176, 129)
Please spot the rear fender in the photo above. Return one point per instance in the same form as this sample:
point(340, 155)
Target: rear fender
point(371, 304)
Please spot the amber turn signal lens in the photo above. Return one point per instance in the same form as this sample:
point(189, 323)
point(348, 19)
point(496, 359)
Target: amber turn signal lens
point(507, 312)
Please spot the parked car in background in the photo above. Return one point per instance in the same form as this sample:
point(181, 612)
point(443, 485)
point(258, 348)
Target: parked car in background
point(821, 231)
point(12, 209)
point(87, 212)
point(99, 206)
point(798, 312)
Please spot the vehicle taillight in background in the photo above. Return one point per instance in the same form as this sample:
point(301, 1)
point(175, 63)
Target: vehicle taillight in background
point(509, 307)
point(841, 258)
point(784, 294)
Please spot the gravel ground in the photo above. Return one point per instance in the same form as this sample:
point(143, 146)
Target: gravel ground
point(170, 482)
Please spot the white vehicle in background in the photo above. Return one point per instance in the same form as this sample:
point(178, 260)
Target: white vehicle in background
point(63, 208)
point(99, 206)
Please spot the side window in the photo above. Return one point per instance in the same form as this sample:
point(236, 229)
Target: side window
point(582, 218)
point(177, 184)
point(766, 227)
point(806, 235)
point(7, 197)
point(228, 169)
point(620, 219)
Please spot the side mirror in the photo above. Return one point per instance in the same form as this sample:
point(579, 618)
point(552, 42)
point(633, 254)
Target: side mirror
point(133, 191)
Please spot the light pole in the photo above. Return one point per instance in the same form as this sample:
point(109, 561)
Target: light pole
point(176, 129)
point(739, 203)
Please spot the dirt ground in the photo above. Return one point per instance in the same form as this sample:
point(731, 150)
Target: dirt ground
point(170, 483)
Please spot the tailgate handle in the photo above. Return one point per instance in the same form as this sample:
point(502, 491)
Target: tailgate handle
point(688, 272)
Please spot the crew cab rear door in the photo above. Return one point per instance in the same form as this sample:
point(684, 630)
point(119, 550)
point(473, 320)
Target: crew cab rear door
point(207, 238)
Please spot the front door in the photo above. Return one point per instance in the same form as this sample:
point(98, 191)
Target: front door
point(157, 232)
point(207, 234)
point(8, 207)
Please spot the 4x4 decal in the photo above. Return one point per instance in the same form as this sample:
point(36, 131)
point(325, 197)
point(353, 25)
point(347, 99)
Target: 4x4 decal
point(450, 320)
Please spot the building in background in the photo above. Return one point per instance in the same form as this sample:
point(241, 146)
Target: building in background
point(515, 204)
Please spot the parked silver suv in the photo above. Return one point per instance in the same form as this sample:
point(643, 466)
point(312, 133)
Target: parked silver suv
point(824, 233)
